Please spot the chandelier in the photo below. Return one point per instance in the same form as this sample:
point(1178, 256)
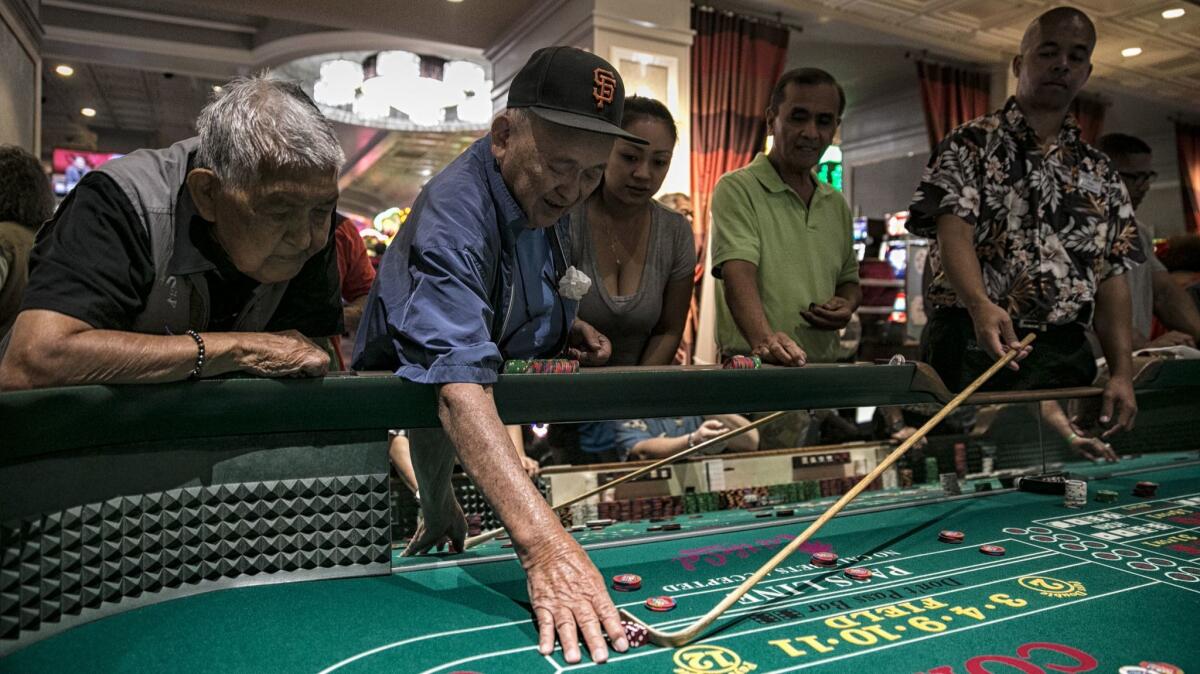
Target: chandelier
point(397, 86)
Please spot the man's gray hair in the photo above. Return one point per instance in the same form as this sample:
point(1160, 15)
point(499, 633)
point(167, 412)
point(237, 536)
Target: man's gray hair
point(258, 124)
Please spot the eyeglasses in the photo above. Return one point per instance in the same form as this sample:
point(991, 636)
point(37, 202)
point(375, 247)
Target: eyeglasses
point(1140, 178)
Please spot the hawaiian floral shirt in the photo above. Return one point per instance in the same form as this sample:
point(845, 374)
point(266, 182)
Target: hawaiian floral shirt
point(1049, 228)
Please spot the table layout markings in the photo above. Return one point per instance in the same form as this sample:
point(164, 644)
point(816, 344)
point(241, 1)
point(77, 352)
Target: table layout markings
point(1118, 568)
point(789, 624)
point(959, 631)
point(837, 594)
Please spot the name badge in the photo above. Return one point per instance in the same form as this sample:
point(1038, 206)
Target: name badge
point(1091, 184)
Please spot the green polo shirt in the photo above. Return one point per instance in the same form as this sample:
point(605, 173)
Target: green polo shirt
point(803, 253)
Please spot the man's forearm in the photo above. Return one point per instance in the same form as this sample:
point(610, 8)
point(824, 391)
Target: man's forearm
point(468, 413)
point(1114, 325)
point(746, 442)
point(959, 260)
point(745, 304)
point(851, 292)
point(51, 349)
point(657, 448)
point(1174, 307)
point(1056, 418)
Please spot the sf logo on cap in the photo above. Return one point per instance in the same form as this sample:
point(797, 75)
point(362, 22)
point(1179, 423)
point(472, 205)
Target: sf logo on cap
point(606, 87)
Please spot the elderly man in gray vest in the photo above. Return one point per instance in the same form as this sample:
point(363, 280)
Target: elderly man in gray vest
point(213, 255)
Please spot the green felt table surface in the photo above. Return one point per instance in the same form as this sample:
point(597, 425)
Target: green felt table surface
point(1096, 588)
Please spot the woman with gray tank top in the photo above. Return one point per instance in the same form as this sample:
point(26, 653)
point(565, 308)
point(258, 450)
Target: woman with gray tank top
point(639, 254)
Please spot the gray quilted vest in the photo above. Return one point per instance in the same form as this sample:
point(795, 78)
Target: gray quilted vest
point(151, 180)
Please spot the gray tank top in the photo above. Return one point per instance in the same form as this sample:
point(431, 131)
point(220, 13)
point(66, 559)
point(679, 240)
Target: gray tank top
point(628, 320)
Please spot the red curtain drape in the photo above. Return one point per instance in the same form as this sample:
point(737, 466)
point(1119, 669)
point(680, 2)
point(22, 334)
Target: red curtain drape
point(951, 96)
point(1089, 115)
point(1187, 142)
point(735, 63)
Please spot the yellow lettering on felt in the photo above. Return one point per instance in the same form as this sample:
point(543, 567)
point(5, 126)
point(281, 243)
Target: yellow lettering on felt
point(786, 646)
point(929, 602)
point(867, 615)
point(840, 622)
point(892, 611)
point(909, 605)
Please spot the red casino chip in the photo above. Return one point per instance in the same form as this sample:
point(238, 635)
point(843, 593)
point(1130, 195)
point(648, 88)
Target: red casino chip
point(949, 536)
point(824, 559)
point(627, 582)
point(858, 573)
point(663, 603)
point(994, 550)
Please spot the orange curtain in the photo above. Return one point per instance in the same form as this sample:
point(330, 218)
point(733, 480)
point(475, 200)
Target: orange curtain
point(1187, 141)
point(951, 97)
point(735, 63)
point(1089, 115)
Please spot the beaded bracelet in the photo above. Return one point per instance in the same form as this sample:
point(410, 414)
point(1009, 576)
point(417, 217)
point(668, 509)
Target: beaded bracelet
point(195, 373)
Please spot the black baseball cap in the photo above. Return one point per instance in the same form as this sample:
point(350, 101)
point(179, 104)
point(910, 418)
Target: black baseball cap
point(573, 88)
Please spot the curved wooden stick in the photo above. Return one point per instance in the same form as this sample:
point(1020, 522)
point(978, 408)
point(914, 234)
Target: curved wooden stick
point(684, 636)
point(731, 433)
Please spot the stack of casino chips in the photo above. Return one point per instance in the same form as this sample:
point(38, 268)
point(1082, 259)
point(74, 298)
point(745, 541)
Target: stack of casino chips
point(857, 573)
point(823, 559)
point(541, 366)
point(1075, 495)
point(1145, 489)
point(949, 536)
point(1106, 496)
point(627, 582)
point(742, 363)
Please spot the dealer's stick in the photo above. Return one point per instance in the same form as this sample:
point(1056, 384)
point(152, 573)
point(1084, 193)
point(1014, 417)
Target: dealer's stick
point(690, 632)
point(731, 433)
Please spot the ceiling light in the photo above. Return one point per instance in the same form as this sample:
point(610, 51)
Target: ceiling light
point(1131, 51)
point(217, 89)
point(454, 1)
point(88, 112)
point(64, 70)
point(1173, 13)
point(476, 109)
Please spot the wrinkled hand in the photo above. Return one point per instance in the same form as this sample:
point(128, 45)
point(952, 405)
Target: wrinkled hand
point(281, 354)
point(1172, 338)
point(569, 596)
point(780, 349)
point(833, 314)
point(1092, 449)
point(1118, 399)
point(442, 522)
point(995, 335)
point(531, 466)
point(906, 433)
point(587, 345)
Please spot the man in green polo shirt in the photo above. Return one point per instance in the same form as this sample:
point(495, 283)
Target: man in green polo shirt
point(782, 242)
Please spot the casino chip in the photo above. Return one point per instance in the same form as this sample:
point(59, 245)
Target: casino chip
point(824, 559)
point(627, 582)
point(672, 526)
point(661, 603)
point(949, 536)
point(635, 634)
point(784, 512)
point(858, 573)
point(994, 550)
point(1145, 489)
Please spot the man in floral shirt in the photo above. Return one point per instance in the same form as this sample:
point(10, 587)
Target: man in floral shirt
point(1034, 231)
